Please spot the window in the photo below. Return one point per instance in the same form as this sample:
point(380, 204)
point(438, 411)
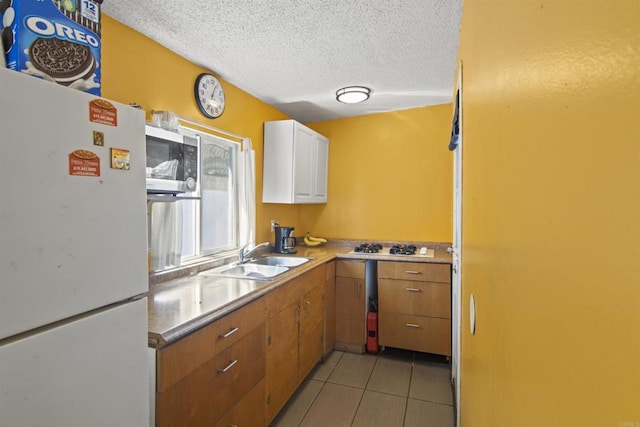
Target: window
point(207, 221)
point(210, 224)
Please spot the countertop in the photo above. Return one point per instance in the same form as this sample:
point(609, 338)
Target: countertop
point(180, 306)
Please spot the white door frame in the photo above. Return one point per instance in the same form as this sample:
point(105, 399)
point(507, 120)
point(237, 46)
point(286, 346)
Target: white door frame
point(456, 252)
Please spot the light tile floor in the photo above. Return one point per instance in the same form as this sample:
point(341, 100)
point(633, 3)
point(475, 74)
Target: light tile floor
point(394, 388)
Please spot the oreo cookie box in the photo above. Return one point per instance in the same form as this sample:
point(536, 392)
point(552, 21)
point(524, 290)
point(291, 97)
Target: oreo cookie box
point(56, 40)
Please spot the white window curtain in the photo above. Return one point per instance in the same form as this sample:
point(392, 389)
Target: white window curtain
point(248, 194)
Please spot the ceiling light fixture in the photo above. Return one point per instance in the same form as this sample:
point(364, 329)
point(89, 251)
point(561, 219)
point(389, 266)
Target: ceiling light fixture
point(353, 94)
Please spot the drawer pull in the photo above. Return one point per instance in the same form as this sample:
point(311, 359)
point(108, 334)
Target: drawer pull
point(228, 334)
point(412, 325)
point(229, 366)
point(412, 289)
point(412, 272)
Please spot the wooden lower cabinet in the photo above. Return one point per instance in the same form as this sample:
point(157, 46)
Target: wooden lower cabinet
point(207, 394)
point(295, 329)
point(203, 377)
point(414, 302)
point(249, 412)
point(311, 330)
point(419, 333)
point(282, 348)
point(350, 305)
point(242, 369)
point(329, 307)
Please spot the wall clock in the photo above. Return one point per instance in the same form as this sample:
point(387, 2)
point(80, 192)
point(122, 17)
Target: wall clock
point(209, 95)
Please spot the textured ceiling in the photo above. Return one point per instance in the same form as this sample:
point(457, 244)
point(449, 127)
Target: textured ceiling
point(294, 55)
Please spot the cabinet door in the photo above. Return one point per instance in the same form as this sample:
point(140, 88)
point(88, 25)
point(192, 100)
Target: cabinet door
point(311, 329)
point(282, 366)
point(350, 310)
point(330, 307)
point(303, 164)
point(321, 169)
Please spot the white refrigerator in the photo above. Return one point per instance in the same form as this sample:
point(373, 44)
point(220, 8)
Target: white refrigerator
point(73, 258)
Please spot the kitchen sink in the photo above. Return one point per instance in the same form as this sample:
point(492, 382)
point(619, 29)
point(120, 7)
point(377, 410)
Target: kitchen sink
point(248, 271)
point(283, 261)
point(265, 268)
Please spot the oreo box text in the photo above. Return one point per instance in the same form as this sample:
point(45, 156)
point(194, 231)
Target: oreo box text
point(56, 40)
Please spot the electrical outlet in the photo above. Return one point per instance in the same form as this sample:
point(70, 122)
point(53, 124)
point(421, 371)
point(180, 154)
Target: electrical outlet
point(273, 225)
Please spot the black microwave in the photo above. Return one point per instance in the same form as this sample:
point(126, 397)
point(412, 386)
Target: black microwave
point(172, 162)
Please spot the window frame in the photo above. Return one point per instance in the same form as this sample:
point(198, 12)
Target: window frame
point(235, 182)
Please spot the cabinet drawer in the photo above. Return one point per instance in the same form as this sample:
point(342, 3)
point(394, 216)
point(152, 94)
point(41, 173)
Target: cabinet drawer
point(350, 269)
point(419, 333)
point(211, 391)
point(330, 270)
point(419, 298)
point(418, 271)
point(279, 299)
point(185, 356)
point(249, 412)
point(312, 280)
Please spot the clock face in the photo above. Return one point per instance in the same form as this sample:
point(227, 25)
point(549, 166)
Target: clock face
point(209, 95)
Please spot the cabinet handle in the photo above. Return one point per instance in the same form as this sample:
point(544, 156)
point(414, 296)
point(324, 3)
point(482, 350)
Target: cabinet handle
point(228, 334)
point(308, 308)
point(412, 272)
point(359, 289)
point(412, 325)
point(297, 315)
point(231, 364)
point(412, 289)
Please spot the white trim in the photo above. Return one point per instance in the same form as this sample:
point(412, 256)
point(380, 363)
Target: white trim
point(456, 282)
point(211, 128)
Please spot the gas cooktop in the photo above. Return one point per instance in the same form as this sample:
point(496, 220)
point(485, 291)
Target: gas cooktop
point(403, 250)
point(368, 248)
point(395, 249)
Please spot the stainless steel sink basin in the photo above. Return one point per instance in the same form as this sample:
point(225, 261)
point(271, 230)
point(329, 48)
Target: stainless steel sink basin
point(265, 268)
point(248, 271)
point(283, 261)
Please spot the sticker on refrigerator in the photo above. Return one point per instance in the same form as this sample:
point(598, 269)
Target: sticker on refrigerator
point(120, 159)
point(104, 112)
point(84, 163)
point(98, 138)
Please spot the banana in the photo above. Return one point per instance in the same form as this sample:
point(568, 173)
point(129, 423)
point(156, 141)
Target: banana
point(313, 241)
point(316, 239)
point(310, 243)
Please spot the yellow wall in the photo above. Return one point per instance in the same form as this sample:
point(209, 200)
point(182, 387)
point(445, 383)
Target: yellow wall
point(551, 244)
point(401, 188)
point(137, 69)
point(390, 177)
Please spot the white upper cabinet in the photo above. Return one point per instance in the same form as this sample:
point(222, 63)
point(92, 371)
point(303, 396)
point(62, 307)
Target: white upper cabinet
point(296, 162)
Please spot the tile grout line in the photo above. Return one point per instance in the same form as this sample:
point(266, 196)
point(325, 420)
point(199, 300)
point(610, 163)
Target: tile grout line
point(363, 391)
point(424, 400)
point(406, 403)
point(311, 405)
point(321, 388)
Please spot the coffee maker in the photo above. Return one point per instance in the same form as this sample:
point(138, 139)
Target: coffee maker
point(285, 242)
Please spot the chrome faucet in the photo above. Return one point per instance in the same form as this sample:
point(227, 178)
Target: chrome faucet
point(244, 255)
